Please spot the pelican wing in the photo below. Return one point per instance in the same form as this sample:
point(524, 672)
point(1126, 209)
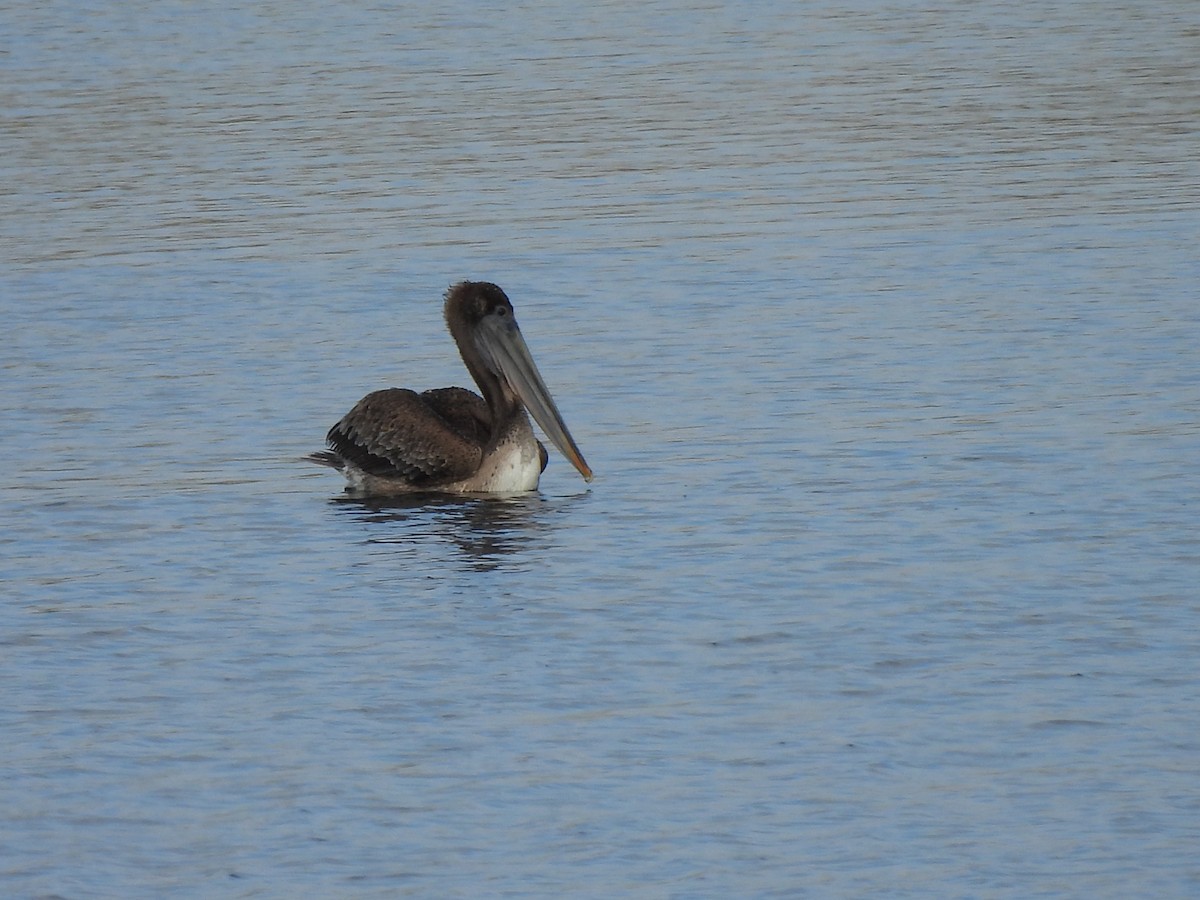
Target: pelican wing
point(421, 438)
point(464, 411)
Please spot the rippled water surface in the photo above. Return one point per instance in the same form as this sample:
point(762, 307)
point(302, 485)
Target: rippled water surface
point(878, 323)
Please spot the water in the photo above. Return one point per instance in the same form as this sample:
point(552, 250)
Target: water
point(877, 323)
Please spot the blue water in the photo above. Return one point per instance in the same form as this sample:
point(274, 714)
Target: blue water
point(877, 322)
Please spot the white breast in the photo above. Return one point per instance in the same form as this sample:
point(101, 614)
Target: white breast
point(512, 467)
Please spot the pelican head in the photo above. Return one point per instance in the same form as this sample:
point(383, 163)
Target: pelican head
point(481, 320)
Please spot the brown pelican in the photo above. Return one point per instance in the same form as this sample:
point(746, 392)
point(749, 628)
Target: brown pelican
point(397, 441)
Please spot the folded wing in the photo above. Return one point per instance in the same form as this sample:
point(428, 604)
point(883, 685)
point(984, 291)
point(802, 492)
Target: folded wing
point(427, 438)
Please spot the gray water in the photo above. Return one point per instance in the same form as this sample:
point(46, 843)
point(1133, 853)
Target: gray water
point(877, 321)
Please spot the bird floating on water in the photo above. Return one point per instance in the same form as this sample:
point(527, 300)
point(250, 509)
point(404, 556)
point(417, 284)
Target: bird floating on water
point(397, 441)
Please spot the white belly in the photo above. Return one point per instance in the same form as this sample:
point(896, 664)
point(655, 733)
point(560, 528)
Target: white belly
point(510, 469)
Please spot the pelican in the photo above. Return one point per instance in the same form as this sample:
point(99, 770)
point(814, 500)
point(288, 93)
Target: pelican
point(397, 441)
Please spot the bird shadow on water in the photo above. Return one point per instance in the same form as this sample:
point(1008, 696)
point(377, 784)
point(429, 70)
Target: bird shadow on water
point(486, 533)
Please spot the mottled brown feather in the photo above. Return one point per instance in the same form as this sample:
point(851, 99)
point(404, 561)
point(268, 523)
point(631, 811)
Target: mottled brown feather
point(402, 434)
point(463, 410)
